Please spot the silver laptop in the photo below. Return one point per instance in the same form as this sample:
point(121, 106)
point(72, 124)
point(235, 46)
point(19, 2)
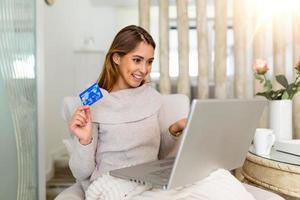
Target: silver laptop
point(218, 134)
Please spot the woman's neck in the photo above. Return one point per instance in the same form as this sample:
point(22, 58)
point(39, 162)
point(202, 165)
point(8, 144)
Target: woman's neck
point(118, 88)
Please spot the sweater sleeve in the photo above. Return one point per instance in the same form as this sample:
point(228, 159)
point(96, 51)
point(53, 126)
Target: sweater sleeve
point(174, 108)
point(82, 157)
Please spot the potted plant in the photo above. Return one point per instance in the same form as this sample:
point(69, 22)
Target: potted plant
point(280, 99)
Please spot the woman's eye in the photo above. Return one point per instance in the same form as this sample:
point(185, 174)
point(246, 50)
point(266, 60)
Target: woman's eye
point(136, 60)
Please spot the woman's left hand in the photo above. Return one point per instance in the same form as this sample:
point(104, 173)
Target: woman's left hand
point(177, 127)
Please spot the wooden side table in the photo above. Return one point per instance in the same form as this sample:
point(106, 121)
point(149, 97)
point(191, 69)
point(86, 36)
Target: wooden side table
point(279, 172)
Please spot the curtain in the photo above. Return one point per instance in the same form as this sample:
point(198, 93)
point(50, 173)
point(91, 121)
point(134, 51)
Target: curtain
point(256, 35)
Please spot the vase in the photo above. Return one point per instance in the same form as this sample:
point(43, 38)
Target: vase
point(281, 119)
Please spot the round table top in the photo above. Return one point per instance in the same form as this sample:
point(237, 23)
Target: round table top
point(278, 156)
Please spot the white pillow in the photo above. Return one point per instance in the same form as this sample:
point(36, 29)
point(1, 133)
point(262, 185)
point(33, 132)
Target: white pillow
point(219, 185)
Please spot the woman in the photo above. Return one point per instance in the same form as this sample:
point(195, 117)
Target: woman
point(123, 128)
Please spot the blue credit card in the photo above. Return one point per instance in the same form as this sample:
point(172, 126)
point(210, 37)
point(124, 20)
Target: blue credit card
point(91, 95)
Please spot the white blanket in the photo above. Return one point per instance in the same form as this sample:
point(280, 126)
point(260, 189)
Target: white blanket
point(219, 185)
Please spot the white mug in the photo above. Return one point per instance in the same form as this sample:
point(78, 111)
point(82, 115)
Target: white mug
point(263, 141)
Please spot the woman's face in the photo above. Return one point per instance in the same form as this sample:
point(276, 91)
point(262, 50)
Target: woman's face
point(134, 66)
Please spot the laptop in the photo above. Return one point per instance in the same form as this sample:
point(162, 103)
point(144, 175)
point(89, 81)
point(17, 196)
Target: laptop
point(217, 135)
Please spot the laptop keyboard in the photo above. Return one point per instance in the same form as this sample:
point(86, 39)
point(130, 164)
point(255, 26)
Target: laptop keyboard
point(164, 173)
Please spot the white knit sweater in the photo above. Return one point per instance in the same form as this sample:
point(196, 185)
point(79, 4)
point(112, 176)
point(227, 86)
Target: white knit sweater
point(127, 130)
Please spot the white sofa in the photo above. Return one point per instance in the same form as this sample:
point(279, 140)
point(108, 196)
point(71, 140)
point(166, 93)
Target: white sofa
point(175, 104)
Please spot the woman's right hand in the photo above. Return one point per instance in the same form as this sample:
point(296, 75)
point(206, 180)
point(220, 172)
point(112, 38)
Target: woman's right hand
point(81, 124)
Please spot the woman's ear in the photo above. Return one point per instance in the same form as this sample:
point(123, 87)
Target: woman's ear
point(116, 58)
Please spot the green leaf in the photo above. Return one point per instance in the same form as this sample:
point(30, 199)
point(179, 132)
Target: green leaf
point(291, 90)
point(282, 80)
point(264, 94)
point(268, 85)
point(285, 95)
point(277, 95)
point(258, 77)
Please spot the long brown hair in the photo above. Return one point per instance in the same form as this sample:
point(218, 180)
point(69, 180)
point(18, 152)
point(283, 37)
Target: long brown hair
point(126, 40)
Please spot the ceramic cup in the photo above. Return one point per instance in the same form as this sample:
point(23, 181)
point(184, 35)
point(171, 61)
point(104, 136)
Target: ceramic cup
point(263, 141)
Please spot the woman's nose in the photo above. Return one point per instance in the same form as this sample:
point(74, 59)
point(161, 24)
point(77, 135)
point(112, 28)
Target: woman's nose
point(143, 68)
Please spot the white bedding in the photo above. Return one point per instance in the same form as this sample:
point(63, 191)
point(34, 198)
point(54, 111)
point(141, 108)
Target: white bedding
point(219, 185)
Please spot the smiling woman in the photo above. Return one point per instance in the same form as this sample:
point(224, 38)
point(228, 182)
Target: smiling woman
point(136, 65)
point(129, 59)
point(128, 125)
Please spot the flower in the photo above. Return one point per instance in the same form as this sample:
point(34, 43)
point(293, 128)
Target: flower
point(287, 91)
point(260, 67)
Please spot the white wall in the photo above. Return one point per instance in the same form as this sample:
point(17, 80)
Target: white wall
point(67, 23)
point(40, 30)
point(126, 15)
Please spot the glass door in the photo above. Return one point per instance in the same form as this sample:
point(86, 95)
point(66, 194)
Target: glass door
point(18, 101)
